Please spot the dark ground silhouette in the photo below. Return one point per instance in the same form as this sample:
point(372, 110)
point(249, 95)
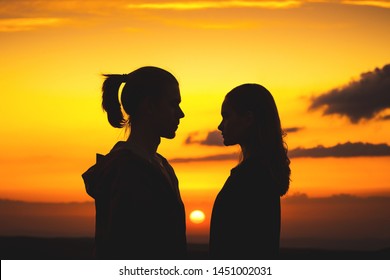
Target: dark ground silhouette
point(37, 248)
point(306, 227)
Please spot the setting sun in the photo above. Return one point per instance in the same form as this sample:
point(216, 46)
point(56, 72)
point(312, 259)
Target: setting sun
point(197, 217)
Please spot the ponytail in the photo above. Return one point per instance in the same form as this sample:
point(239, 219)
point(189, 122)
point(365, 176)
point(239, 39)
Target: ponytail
point(110, 99)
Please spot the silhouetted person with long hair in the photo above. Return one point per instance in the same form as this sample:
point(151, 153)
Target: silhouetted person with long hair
point(245, 222)
point(139, 211)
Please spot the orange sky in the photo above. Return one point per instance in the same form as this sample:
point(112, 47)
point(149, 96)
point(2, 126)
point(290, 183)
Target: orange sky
point(53, 53)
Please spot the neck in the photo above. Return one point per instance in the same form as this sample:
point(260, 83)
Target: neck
point(249, 151)
point(245, 153)
point(143, 142)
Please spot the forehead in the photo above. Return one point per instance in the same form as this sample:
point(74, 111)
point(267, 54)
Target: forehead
point(226, 106)
point(172, 92)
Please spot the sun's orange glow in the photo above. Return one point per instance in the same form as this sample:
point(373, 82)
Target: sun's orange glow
point(197, 217)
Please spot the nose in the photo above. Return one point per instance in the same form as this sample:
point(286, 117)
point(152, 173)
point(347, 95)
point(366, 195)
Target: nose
point(220, 126)
point(181, 113)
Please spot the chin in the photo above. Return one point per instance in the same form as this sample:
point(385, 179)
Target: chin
point(170, 135)
point(227, 143)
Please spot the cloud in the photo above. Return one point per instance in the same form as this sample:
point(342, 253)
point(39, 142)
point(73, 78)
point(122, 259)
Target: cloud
point(191, 138)
point(219, 157)
point(25, 15)
point(299, 197)
point(386, 118)
point(17, 13)
point(380, 4)
point(213, 138)
point(348, 149)
point(362, 99)
point(293, 129)
point(27, 24)
point(33, 8)
point(210, 24)
point(201, 5)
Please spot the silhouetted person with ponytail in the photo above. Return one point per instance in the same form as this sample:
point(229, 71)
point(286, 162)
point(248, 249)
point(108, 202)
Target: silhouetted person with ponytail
point(139, 211)
point(245, 222)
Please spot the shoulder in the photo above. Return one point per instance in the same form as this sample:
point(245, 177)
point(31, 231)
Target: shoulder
point(254, 176)
point(252, 169)
point(123, 160)
point(164, 161)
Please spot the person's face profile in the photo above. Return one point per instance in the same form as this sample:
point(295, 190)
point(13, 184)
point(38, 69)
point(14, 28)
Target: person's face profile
point(233, 125)
point(168, 113)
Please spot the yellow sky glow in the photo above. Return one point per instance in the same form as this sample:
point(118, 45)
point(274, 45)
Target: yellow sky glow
point(214, 4)
point(381, 4)
point(26, 24)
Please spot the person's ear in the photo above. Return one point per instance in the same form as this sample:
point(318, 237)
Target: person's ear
point(148, 105)
point(249, 118)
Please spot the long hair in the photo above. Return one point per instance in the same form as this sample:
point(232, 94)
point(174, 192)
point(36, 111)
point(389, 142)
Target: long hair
point(148, 81)
point(268, 134)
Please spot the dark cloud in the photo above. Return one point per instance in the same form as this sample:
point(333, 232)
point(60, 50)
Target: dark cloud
point(361, 99)
point(348, 149)
point(219, 157)
point(358, 149)
point(292, 129)
point(335, 198)
point(191, 138)
point(213, 138)
point(386, 118)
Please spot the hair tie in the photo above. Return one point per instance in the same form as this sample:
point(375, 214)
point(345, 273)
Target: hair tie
point(124, 77)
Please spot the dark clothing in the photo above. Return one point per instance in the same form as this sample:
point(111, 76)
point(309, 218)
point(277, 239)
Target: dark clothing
point(245, 222)
point(139, 212)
